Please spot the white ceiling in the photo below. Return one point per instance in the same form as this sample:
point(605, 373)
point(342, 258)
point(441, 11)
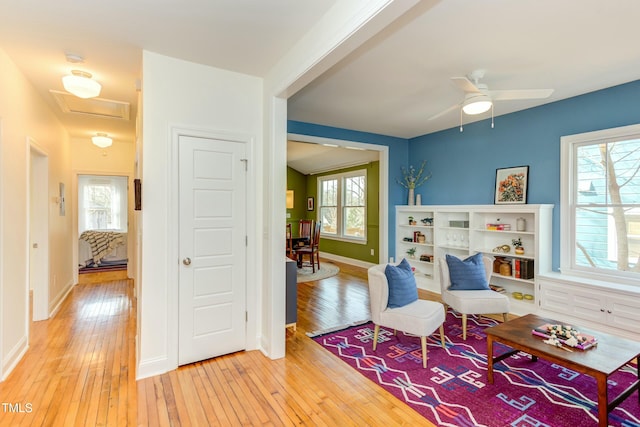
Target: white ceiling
point(311, 158)
point(389, 86)
point(394, 83)
point(246, 36)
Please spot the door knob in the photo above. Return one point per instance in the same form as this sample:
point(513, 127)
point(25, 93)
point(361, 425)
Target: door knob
point(186, 261)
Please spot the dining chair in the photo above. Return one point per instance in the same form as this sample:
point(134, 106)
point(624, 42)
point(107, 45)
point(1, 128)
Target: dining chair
point(305, 229)
point(313, 249)
point(291, 253)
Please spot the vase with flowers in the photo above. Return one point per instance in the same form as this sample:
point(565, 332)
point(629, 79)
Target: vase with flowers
point(412, 179)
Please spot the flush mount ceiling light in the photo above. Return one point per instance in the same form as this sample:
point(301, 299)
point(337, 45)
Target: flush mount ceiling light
point(101, 140)
point(476, 103)
point(81, 84)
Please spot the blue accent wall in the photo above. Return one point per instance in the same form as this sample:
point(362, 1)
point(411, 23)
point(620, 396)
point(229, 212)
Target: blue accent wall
point(464, 164)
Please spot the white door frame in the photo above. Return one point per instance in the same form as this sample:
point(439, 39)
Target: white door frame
point(74, 219)
point(39, 226)
point(253, 292)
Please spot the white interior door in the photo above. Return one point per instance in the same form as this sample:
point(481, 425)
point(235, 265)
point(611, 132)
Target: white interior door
point(212, 175)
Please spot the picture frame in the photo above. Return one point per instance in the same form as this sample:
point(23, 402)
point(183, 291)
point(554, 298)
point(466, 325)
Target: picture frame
point(137, 187)
point(310, 203)
point(511, 185)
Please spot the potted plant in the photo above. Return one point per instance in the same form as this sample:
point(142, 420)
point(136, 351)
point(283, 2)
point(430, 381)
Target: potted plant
point(517, 243)
point(411, 252)
point(411, 221)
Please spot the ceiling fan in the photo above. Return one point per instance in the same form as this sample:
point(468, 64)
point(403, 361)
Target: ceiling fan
point(479, 99)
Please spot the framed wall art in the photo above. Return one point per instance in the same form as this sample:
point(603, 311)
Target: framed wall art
point(310, 204)
point(137, 187)
point(511, 185)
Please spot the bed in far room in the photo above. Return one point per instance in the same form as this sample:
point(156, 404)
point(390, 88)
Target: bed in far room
point(101, 249)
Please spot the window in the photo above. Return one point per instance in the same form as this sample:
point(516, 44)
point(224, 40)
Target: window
point(342, 206)
point(600, 204)
point(102, 203)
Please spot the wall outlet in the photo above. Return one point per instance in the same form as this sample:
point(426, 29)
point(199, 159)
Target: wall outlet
point(391, 260)
point(288, 215)
point(373, 252)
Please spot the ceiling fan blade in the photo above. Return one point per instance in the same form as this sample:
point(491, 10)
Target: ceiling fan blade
point(504, 95)
point(465, 84)
point(442, 113)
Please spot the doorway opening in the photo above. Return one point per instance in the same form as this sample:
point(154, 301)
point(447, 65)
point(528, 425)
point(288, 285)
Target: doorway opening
point(102, 223)
point(38, 231)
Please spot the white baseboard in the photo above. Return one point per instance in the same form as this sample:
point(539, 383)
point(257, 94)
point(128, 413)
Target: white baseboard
point(152, 367)
point(14, 356)
point(61, 297)
point(345, 260)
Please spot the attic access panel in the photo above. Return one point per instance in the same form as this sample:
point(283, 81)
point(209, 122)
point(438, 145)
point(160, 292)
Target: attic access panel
point(96, 107)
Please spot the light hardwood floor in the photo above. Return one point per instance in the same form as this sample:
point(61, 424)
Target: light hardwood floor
point(80, 371)
point(80, 366)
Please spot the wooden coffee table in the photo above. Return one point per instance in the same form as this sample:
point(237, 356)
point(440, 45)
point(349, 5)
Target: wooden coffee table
point(599, 361)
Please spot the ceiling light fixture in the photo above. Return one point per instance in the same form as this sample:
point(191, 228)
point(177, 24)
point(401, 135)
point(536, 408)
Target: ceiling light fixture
point(81, 84)
point(476, 103)
point(101, 140)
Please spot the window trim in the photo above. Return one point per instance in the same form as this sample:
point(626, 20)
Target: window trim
point(340, 176)
point(568, 146)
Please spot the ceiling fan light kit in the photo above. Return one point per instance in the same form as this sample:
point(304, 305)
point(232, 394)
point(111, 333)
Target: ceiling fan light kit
point(476, 103)
point(479, 99)
point(101, 140)
point(80, 84)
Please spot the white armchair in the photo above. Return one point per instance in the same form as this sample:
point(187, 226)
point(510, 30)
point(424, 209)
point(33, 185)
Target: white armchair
point(471, 301)
point(419, 318)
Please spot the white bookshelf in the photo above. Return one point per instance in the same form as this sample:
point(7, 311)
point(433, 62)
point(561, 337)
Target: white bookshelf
point(461, 230)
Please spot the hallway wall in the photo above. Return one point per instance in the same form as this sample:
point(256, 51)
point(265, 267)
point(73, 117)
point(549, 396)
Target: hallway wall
point(23, 114)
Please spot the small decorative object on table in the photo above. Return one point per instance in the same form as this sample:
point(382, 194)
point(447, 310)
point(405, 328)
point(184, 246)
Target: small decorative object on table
point(411, 221)
point(564, 334)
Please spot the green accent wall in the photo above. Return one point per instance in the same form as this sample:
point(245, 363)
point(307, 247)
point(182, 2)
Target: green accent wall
point(307, 186)
point(298, 183)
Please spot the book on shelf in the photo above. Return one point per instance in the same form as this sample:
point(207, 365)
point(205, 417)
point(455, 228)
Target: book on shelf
point(526, 268)
point(567, 335)
point(498, 289)
point(499, 227)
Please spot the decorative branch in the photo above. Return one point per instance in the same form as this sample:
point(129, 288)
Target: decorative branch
point(411, 178)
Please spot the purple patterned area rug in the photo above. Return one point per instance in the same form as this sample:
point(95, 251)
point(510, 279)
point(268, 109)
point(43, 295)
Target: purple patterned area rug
point(453, 390)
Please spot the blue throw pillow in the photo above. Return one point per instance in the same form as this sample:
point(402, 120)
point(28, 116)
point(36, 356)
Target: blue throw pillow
point(467, 275)
point(402, 284)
